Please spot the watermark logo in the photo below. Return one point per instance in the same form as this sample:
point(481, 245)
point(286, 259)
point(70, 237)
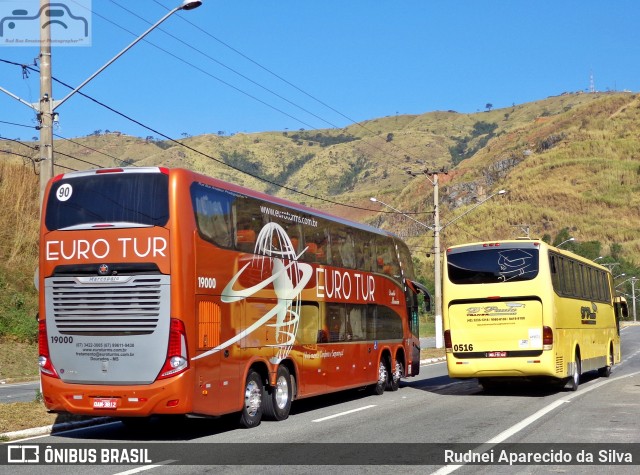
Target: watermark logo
point(23, 454)
point(69, 21)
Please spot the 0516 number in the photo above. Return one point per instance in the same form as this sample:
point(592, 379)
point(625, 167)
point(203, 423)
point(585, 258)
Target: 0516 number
point(463, 347)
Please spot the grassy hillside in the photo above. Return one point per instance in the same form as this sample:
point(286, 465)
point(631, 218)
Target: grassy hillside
point(571, 165)
point(19, 189)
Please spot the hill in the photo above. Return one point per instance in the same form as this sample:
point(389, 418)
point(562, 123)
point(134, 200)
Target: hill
point(570, 163)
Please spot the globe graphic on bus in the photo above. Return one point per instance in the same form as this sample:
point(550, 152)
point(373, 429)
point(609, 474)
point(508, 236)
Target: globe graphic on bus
point(288, 276)
point(273, 243)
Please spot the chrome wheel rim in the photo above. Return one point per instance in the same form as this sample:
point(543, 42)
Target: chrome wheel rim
point(397, 374)
point(252, 398)
point(282, 392)
point(382, 373)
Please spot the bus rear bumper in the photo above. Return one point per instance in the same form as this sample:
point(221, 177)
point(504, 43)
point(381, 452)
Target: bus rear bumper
point(161, 397)
point(520, 367)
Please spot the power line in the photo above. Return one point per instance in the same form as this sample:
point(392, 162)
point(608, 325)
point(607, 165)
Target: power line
point(289, 83)
point(76, 158)
point(293, 190)
point(373, 133)
point(18, 125)
point(225, 66)
point(87, 147)
point(19, 142)
point(198, 151)
point(209, 74)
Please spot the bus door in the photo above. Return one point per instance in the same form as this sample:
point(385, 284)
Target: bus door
point(347, 359)
point(411, 298)
point(311, 341)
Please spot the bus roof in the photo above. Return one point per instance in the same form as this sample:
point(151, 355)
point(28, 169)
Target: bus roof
point(189, 174)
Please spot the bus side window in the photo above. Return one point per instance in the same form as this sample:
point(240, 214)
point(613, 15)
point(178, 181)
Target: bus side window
point(356, 322)
point(335, 320)
point(248, 223)
point(309, 324)
point(555, 276)
point(214, 215)
point(315, 243)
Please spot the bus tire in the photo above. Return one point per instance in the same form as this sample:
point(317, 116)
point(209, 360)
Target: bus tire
point(251, 413)
point(605, 372)
point(383, 377)
point(395, 376)
point(277, 399)
point(574, 379)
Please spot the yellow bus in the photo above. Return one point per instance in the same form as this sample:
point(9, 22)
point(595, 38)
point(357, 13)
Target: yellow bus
point(523, 309)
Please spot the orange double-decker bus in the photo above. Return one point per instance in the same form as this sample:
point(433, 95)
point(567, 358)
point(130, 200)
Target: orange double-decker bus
point(163, 291)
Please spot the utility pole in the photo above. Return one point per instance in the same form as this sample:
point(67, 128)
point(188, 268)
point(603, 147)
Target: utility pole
point(633, 296)
point(45, 114)
point(437, 272)
point(47, 106)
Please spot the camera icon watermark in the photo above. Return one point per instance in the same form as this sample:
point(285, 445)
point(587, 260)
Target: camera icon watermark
point(69, 22)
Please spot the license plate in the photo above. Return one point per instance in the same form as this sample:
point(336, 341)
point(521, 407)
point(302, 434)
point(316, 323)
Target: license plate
point(105, 403)
point(497, 354)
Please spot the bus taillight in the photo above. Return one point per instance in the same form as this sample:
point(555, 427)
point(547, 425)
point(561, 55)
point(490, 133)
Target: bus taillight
point(447, 341)
point(547, 338)
point(44, 361)
point(177, 360)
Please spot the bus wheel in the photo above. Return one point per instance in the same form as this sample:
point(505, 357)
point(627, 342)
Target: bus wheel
point(277, 399)
point(606, 371)
point(574, 380)
point(383, 377)
point(394, 379)
point(251, 413)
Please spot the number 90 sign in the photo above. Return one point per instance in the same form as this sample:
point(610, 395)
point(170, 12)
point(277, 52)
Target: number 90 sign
point(64, 192)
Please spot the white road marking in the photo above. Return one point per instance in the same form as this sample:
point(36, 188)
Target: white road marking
point(145, 467)
point(532, 418)
point(344, 413)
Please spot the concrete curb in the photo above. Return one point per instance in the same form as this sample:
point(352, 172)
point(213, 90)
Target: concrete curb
point(432, 360)
point(52, 429)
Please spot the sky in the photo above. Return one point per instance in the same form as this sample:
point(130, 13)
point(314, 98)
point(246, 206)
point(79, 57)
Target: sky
point(254, 66)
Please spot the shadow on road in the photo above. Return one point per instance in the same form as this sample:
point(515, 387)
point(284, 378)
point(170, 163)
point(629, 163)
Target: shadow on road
point(445, 385)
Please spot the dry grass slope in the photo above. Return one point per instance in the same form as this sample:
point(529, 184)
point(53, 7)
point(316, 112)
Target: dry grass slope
point(571, 161)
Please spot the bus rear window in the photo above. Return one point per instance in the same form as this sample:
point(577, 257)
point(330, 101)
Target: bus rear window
point(137, 198)
point(486, 266)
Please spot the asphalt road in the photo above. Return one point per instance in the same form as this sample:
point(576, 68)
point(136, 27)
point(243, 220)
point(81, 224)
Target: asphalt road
point(19, 392)
point(406, 431)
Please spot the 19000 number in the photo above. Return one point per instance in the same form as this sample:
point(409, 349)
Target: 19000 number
point(463, 347)
point(61, 339)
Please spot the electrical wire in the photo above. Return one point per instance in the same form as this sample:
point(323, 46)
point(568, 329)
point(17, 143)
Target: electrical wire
point(25, 68)
point(19, 142)
point(373, 133)
point(264, 68)
point(89, 148)
point(190, 46)
point(18, 125)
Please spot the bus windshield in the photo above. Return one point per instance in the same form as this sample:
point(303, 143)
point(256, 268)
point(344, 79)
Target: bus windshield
point(138, 198)
point(479, 265)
